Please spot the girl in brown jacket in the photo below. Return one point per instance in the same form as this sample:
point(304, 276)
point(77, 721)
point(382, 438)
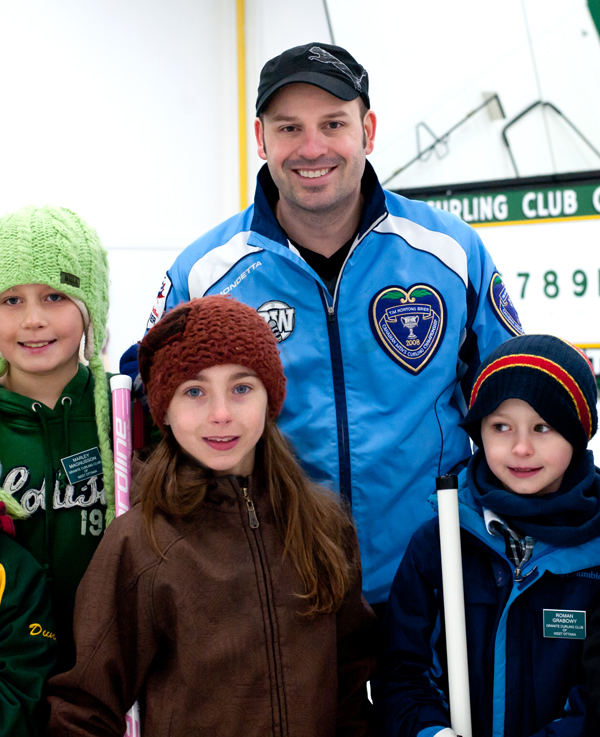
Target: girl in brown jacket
point(228, 600)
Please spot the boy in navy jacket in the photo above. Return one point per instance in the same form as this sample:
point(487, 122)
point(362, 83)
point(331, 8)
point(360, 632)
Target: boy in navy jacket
point(530, 525)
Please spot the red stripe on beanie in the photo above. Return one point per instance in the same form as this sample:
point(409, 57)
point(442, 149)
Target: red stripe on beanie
point(548, 367)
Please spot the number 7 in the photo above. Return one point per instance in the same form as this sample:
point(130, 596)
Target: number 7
point(525, 275)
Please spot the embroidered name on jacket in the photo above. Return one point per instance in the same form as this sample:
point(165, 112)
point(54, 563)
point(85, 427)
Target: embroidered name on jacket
point(409, 324)
point(239, 279)
point(594, 574)
point(64, 498)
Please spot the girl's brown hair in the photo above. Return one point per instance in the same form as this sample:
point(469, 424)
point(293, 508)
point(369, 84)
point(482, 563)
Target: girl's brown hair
point(316, 530)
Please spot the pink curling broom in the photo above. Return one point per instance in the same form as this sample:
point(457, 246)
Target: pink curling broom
point(120, 387)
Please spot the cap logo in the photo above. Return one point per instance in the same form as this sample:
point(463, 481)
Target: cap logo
point(326, 58)
point(70, 279)
point(551, 369)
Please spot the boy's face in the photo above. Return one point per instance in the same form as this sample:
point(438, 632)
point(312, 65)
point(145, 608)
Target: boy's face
point(40, 332)
point(523, 451)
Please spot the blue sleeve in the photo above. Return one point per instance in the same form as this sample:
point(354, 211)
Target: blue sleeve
point(491, 316)
point(128, 364)
point(431, 731)
point(173, 290)
point(406, 697)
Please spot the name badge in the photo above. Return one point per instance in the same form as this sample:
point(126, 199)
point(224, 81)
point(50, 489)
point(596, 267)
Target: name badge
point(82, 466)
point(564, 624)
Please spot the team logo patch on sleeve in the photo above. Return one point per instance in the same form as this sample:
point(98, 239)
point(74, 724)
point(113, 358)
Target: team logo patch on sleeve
point(503, 306)
point(280, 317)
point(159, 305)
point(409, 324)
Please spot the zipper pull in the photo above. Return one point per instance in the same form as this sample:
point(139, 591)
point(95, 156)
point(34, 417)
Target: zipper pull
point(252, 518)
point(330, 314)
point(519, 577)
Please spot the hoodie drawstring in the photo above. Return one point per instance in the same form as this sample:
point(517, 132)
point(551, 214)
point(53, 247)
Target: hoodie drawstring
point(67, 404)
point(48, 491)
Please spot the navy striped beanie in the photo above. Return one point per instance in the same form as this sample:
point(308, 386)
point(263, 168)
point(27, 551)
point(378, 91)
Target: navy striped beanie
point(551, 375)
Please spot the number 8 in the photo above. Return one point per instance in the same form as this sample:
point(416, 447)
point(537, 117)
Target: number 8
point(551, 283)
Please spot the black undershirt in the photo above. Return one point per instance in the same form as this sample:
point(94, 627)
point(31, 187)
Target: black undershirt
point(327, 268)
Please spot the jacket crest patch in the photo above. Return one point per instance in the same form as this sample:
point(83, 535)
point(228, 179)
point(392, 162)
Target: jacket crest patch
point(409, 324)
point(502, 305)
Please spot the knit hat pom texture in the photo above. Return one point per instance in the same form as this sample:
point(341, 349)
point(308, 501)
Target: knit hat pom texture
point(206, 332)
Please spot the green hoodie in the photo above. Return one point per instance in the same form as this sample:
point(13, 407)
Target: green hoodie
point(64, 535)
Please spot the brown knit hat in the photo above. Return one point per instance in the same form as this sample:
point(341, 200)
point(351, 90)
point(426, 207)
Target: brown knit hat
point(205, 332)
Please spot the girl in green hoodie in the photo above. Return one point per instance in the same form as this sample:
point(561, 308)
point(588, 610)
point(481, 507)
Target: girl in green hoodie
point(57, 470)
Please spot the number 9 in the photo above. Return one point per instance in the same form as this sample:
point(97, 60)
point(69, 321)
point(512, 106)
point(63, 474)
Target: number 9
point(580, 281)
point(96, 522)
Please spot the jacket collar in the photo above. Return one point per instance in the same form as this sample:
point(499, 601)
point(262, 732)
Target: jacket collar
point(564, 518)
point(557, 560)
point(266, 195)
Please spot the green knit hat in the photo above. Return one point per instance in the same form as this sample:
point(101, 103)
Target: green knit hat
point(54, 246)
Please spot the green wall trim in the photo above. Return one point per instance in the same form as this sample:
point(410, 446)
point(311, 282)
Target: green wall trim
point(594, 6)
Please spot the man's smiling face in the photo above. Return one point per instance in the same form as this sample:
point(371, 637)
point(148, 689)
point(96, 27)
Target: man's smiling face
point(315, 146)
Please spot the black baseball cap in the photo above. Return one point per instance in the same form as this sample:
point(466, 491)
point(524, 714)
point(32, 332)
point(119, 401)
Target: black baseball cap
point(329, 67)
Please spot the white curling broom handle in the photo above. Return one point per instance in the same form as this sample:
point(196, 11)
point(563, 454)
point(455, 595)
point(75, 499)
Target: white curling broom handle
point(454, 606)
point(120, 387)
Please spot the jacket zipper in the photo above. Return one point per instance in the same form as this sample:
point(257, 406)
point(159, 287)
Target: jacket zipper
point(339, 395)
point(354, 246)
point(252, 517)
point(337, 366)
point(254, 524)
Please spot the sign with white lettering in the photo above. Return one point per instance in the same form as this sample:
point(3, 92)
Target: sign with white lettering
point(521, 206)
point(564, 624)
point(543, 234)
point(82, 466)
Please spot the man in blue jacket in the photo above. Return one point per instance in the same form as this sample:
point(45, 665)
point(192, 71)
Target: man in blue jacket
point(383, 307)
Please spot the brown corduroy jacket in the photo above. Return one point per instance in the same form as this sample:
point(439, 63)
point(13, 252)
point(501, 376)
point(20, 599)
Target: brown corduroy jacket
point(209, 639)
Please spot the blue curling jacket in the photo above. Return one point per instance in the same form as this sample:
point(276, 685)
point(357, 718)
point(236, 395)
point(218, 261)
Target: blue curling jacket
point(376, 373)
point(522, 683)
